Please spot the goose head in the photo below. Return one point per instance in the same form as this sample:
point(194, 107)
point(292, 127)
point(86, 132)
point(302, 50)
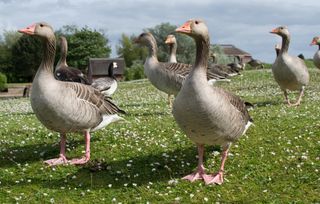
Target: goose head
point(42, 29)
point(281, 30)
point(171, 39)
point(144, 39)
point(195, 28)
point(315, 41)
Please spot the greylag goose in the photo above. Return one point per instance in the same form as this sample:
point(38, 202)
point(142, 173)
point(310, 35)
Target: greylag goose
point(207, 114)
point(66, 107)
point(290, 72)
point(107, 85)
point(316, 57)
point(172, 42)
point(65, 73)
point(167, 77)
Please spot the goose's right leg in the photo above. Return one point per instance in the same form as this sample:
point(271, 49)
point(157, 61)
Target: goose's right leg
point(62, 158)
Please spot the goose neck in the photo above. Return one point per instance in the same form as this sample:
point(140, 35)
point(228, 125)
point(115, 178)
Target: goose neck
point(202, 53)
point(173, 51)
point(49, 51)
point(285, 44)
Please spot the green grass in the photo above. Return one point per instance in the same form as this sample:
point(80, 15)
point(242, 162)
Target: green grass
point(142, 160)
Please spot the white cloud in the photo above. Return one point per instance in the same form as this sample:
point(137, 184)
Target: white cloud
point(243, 23)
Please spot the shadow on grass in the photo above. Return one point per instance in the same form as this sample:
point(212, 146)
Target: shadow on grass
point(37, 152)
point(144, 170)
point(267, 103)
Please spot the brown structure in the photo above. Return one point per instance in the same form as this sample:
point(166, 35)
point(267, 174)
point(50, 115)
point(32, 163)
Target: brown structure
point(237, 55)
point(98, 67)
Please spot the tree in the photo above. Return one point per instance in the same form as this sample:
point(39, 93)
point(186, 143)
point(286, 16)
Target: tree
point(84, 44)
point(129, 51)
point(26, 58)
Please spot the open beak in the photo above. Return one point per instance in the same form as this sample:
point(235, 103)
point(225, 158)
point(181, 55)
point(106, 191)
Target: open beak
point(185, 28)
point(274, 31)
point(28, 30)
point(168, 41)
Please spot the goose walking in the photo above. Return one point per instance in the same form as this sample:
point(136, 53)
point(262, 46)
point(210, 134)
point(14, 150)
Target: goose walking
point(208, 115)
point(66, 107)
point(65, 73)
point(316, 57)
point(290, 72)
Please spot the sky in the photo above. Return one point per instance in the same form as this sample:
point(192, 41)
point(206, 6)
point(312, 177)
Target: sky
point(246, 24)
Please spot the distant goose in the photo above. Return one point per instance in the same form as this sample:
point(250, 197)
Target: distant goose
point(66, 107)
point(65, 73)
point(172, 43)
point(290, 72)
point(107, 85)
point(316, 57)
point(207, 114)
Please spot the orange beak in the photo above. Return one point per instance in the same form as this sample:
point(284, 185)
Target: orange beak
point(314, 42)
point(168, 41)
point(274, 31)
point(28, 30)
point(185, 28)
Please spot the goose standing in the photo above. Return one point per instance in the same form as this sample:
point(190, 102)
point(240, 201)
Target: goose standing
point(66, 107)
point(290, 72)
point(65, 73)
point(316, 57)
point(207, 114)
point(107, 85)
point(171, 41)
point(167, 77)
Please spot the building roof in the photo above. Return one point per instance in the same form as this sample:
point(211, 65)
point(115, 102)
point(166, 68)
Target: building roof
point(229, 49)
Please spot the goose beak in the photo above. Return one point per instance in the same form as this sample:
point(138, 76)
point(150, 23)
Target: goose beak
point(28, 30)
point(314, 42)
point(274, 31)
point(185, 28)
point(168, 41)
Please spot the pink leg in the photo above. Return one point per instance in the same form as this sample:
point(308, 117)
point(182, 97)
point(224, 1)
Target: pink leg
point(197, 175)
point(286, 97)
point(300, 97)
point(62, 157)
point(86, 157)
point(218, 177)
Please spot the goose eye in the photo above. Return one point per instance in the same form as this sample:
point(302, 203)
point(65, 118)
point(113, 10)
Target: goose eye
point(41, 25)
point(196, 22)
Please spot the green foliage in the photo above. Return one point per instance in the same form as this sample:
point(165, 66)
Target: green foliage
point(3, 82)
point(129, 51)
point(26, 58)
point(135, 71)
point(186, 46)
point(83, 44)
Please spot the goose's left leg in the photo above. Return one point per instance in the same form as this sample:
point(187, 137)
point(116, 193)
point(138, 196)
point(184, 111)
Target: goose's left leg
point(86, 157)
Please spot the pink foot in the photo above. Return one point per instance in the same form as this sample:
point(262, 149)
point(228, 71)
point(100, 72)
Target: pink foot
point(194, 176)
point(213, 179)
point(80, 161)
point(57, 161)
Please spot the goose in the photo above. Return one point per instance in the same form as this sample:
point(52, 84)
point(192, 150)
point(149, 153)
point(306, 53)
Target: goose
point(290, 72)
point(65, 73)
point(316, 57)
point(171, 41)
point(277, 48)
point(208, 115)
point(107, 85)
point(166, 77)
point(66, 107)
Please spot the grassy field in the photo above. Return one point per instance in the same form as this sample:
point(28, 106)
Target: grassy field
point(142, 160)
